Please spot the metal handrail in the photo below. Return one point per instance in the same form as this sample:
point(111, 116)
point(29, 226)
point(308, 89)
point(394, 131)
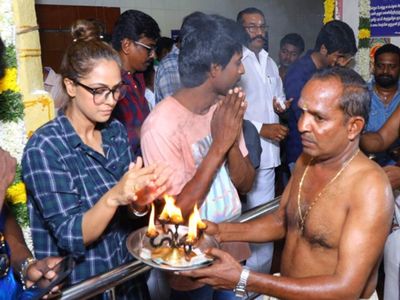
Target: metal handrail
point(100, 283)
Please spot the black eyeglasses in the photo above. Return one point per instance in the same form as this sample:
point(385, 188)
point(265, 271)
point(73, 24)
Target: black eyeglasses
point(101, 94)
point(4, 257)
point(149, 49)
point(255, 28)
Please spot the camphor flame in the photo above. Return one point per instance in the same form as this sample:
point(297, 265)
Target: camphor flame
point(151, 229)
point(195, 223)
point(171, 212)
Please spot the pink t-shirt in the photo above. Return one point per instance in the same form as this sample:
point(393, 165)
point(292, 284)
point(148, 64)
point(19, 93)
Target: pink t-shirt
point(181, 138)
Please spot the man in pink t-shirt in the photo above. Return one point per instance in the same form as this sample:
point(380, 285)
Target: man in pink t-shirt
point(198, 130)
point(184, 141)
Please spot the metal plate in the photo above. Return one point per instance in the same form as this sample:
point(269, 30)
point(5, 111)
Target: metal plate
point(138, 240)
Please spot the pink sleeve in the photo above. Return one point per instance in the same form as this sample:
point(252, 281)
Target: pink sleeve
point(242, 145)
point(158, 147)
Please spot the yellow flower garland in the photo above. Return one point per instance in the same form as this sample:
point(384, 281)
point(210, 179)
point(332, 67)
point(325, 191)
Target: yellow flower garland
point(9, 82)
point(329, 8)
point(16, 193)
point(364, 34)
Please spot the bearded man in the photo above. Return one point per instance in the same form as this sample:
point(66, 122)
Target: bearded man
point(385, 94)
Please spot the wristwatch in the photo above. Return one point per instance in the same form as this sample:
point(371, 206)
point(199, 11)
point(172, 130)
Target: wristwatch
point(24, 269)
point(240, 289)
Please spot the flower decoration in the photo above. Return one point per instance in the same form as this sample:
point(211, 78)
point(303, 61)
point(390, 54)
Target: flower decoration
point(16, 194)
point(329, 9)
point(12, 126)
point(9, 81)
point(364, 35)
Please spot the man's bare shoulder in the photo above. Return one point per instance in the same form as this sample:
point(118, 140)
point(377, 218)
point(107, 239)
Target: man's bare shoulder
point(369, 183)
point(364, 178)
point(365, 171)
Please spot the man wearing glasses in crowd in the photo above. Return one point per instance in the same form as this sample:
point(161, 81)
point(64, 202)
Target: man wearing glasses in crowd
point(262, 85)
point(134, 37)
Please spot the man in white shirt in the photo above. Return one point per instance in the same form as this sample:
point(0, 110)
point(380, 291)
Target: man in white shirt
point(54, 86)
point(265, 97)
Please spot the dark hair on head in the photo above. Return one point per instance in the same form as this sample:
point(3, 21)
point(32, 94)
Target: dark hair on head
point(87, 29)
point(133, 25)
point(163, 43)
point(82, 55)
point(189, 23)
point(248, 11)
point(387, 48)
point(206, 40)
point(2, 59)
point(234, 30)
point(355, 99)
point(185, 29)
point(293, 39)
point(336, 36)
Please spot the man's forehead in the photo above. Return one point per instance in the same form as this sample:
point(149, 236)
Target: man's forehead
point(388, 56)
point(290, 47)
point(318, 106)
point(320, 94)
point(253, 18)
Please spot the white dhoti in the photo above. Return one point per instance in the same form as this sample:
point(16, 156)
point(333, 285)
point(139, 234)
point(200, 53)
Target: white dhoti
point(391, 258)
point(391, 262)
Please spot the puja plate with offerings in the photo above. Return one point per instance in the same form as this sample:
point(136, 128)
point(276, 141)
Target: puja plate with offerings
point(171, 245)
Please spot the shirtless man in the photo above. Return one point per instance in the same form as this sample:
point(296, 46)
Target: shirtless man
point(335, 212)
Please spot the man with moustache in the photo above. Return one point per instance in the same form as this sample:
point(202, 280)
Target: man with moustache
point(134, 37)
point(335, 46)
point(335, 212)
point(263, 86)
point(385, 96)
point(198, 132)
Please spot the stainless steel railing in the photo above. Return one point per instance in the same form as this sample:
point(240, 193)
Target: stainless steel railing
point(100, 283)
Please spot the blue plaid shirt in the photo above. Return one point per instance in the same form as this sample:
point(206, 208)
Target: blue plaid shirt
point(167, 80)
point(64, 179)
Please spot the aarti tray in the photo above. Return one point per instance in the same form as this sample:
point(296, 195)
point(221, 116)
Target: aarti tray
point(140, 247)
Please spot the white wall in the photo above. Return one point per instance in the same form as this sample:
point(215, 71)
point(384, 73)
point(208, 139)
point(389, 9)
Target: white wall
point(283, 16)
point(350, 9)
point(286, 16)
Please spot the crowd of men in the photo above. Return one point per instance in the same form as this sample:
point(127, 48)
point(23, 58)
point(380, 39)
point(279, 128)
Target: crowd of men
point(219, 122)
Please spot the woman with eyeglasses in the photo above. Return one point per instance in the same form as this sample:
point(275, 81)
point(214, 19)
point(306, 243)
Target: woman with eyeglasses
point(79, 170)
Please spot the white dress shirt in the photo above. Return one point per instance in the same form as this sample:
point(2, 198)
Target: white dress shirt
point(53, 84)
point(261, 82)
